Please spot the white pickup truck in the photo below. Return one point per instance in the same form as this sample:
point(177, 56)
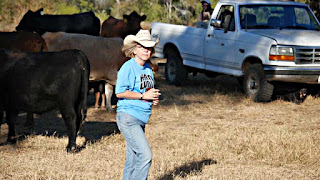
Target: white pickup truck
point(266, 44)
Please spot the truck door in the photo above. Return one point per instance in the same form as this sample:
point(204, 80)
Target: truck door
point(220, 43)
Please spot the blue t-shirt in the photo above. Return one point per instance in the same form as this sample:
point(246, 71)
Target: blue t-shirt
point(135, 78)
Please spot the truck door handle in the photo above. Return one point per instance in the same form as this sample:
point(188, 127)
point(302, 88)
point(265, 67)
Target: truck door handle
point(209, 35)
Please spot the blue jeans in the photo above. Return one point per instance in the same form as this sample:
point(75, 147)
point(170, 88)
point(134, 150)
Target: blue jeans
point(138, 151)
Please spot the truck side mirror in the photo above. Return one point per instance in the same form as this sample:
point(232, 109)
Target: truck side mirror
point(215, 23)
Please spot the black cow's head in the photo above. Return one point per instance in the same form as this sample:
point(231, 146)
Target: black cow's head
point(30, 22)
point(133, 22)
point(134, 16)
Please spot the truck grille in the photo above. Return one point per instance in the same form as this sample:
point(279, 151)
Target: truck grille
point(307, 55)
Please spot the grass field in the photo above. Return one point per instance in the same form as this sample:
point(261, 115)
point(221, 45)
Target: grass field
point(206, 129)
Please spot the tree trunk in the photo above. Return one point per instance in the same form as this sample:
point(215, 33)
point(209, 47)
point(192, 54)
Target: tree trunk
point(169, 6)
point(314, 5)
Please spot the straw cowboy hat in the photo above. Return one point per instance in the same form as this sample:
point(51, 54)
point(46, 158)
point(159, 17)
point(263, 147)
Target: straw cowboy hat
point(143, 37)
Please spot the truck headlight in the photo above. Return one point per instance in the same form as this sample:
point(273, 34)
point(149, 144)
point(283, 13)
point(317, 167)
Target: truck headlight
point(281, 53)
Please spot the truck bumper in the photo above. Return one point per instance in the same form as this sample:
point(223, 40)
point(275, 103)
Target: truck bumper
point(310, 75)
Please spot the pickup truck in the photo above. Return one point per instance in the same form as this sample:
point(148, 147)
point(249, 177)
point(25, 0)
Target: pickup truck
point(267, 45)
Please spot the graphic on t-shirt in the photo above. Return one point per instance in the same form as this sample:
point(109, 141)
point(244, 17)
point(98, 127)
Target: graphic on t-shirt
point(146, 81)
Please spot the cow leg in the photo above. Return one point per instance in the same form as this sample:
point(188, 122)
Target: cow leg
point(29, 125)
point(80, 121)
point(11, 121)
point(1, 114)
point(109, 92)
point(103, 100)
point(1, 118)
point(69, 117)
point(96, 104)
point(102, 90)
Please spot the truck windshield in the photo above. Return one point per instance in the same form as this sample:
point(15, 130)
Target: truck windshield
point(277, 17)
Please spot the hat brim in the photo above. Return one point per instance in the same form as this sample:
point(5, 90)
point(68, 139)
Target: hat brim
point(133, 39)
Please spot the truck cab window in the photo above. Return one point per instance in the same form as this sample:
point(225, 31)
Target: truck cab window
point(226, 16)
point(277, 17)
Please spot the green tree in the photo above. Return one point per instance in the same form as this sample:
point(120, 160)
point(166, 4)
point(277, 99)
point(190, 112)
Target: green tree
point(169, 11)
point(13, 11)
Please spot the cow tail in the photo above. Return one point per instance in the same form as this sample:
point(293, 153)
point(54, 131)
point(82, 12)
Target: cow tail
point(85, 71)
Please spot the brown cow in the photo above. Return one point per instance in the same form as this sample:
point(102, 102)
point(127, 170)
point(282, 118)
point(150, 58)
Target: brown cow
point(104, 54)
point(22, 41)
point(113, 27)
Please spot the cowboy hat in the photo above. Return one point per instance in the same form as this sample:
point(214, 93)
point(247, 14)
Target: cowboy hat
point(143, 37)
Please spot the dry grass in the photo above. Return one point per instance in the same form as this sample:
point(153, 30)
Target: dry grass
point(203, 130)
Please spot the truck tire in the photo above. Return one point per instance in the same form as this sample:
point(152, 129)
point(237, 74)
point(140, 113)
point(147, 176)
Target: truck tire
point(175, 71)
point(255, 85)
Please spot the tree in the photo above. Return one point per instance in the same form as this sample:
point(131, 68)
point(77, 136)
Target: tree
point(315, 5)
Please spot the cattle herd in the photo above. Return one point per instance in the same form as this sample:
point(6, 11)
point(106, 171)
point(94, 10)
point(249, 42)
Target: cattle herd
point(50, 60)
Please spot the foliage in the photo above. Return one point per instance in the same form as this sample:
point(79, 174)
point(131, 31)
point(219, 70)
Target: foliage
point(63, 8)
point(170, 11)
point(12, 11)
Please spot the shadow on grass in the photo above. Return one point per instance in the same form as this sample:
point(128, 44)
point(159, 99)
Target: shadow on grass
point(184, 170)
point(198, 86)
point(51, 124)
point(94, 131)
point(226, 85)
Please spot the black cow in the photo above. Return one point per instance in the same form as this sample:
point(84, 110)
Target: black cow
point(83, 23)
point(22, 41)
point(40, 82)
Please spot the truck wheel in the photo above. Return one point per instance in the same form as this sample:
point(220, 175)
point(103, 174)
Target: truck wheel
point(175, 71)
point(255, 85)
